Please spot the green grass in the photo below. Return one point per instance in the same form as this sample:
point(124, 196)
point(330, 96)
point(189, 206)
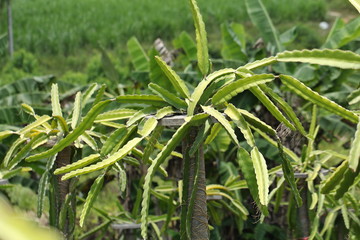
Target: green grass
point(54, 26)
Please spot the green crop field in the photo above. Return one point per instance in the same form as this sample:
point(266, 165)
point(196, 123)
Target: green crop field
point(63, 35)
point(52, 26)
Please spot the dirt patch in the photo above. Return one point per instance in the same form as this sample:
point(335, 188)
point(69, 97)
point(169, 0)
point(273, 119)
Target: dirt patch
point(344, 16)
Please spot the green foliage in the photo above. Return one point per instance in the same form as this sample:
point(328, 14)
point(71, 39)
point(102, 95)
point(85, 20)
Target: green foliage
point(123, 136)
point(288, 172)
point(167, 96)
point(94, 69)
point(327, 57)
point(139, 58)
point(142, 99)
point(341, 36)
point(23, 197)
point(90, 199)
point(84, 125)
point(201, 39)
point(97, 71)
point(160, 158)
point(233, 41)
point(246, 165)
point(236, 87)
point(218, 139)
point(271, 107)
point(174, 78)
point(261, 175)
point(240, 122)
point(354, 155)
point(24, 61)
point(117, 25)
point(78, 164)
point(186, 42)
point(285, 107)
point(75, 77)
point(314, 97)
point(198, 91)
point(22, 64)
point(223, 121)
point(261, 19)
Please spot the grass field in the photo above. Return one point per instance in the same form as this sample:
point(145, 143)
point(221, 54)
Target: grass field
point(64, 35)
point(53, 26)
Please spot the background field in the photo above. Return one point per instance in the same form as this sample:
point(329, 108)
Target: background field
point(63, 35)
point(64, 26)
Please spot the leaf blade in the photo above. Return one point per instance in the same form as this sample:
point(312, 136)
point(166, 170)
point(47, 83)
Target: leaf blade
point(327, 57)
point(138, 56)
point(107, 162)
point(240, 122)
point(342, 35)
point(247, 168)
point(300, 89)
point(262, 176)
point(261, 19)
point(273, 109)
point(223, 121)
point(116, 114)
point(168, 96)
point(354, 155)
point(78, 164)
point(91, 197)
point(41, 120)
point(142, 99)
point(200, 88)
point(55, 102)
point(289, 174)
point(80, 129)
point(234, 88)
point(201, 39)
point(174, 78)
point(76, 115)
point(285, 107)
